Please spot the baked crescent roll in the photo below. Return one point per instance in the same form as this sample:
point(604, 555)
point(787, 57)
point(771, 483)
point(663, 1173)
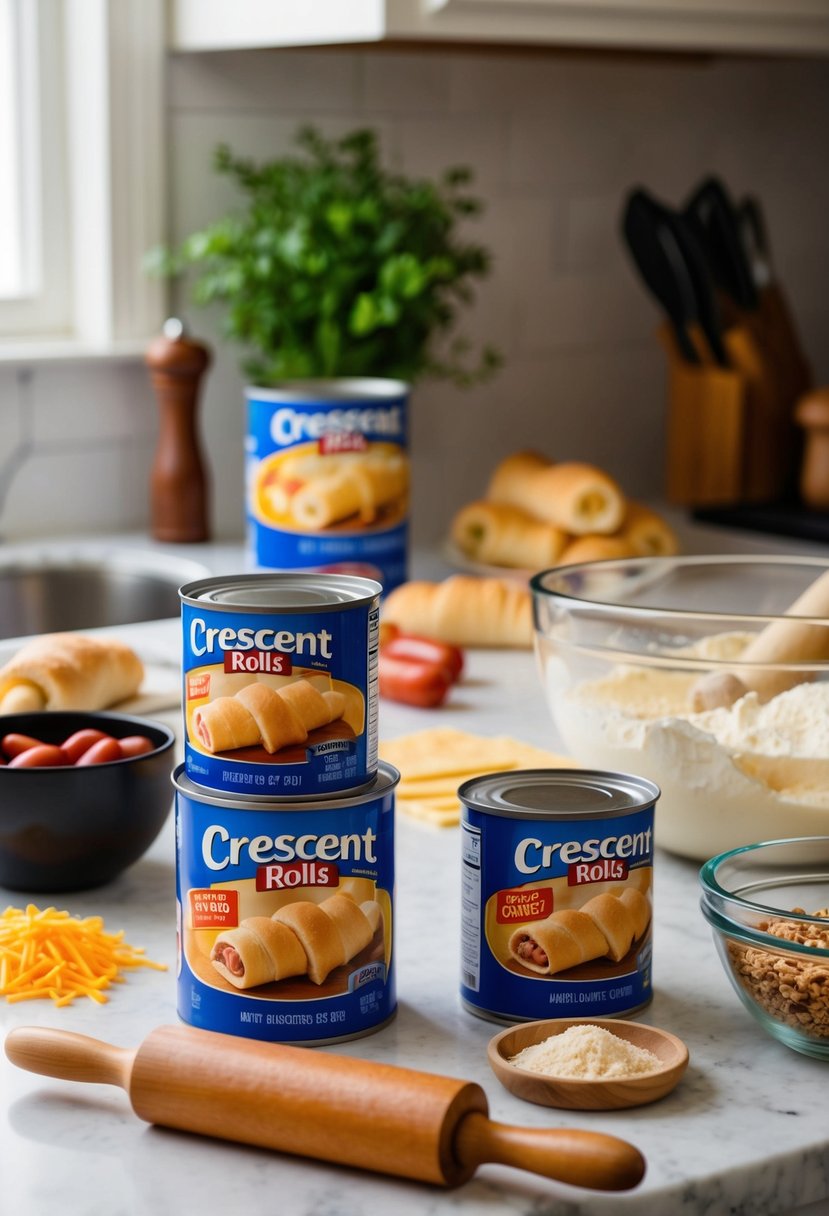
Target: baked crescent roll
point(259, 951)
point(257, 713)
point(318, 936)
point(379, 480)
point(278, 722)
point(597, 549)
point(464, 611)
point(563, 940)
point(351, 923)
point(224, 725)
point(577, 497)
point(357, 487)
point(314, 708)
point(69, 671)
point(325, 500)
point(511, 483)
point(501, 535)
point(606, 926)
point(647, 532)
point(300, 938)
point(373, 913)
point(614, 920)
point(639, 908)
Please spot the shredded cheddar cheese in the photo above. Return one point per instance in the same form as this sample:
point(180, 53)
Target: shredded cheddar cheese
point(50, 954)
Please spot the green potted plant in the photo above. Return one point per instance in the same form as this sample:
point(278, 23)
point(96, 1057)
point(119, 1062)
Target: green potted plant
point(335, 266)
point(342, 282)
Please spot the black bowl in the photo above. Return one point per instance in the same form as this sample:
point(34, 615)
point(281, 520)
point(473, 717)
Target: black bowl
point(67, 828)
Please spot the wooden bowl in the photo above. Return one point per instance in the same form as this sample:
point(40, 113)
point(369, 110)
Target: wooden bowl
point(571, 1093)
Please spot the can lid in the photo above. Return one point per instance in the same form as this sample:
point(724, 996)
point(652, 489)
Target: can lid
point(286, 592)
point(384, 782)
point(335, 391)
point(558, 793)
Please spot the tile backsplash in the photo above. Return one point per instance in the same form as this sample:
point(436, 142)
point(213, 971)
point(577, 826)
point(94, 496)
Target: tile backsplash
point(554, 140)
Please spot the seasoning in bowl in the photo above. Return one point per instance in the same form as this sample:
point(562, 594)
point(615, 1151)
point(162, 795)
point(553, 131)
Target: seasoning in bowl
point(587, 1063)
point(792, 990)
point(586, 1052)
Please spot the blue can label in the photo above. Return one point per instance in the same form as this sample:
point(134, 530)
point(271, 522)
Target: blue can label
point(286, 918)
point(281, 704)
point(556, 915)
point(328, 480)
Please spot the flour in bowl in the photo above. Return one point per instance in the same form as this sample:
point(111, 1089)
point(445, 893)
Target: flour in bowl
point(586, 1053)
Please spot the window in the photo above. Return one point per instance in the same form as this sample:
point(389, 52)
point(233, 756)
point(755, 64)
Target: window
point(34, 262)
point(81, 174)
point(11, 169)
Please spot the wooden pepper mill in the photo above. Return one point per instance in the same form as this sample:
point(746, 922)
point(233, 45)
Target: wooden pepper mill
point(178, 481)
point(812, 414)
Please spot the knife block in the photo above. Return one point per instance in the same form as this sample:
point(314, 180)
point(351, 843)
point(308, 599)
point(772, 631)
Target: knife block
point(731, 432)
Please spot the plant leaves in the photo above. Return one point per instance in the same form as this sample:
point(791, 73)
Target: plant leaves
point(333, 265)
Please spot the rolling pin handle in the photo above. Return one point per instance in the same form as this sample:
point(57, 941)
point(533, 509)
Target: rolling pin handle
point(588, 1159)
point(69, 1056)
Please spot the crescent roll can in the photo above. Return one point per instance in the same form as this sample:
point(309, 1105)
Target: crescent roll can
point(328, 477)
point(285, 912)
point(557, 894)
point(280, 683)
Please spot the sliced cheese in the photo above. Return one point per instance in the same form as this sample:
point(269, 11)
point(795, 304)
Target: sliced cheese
point(433, 763)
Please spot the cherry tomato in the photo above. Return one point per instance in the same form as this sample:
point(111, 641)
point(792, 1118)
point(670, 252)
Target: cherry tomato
point(102, 752)
point(80, 742)
point(13, 745)
point(412, 682)
point(406, 646)
point(135, 745)
point(44, 755)
point(388, 632)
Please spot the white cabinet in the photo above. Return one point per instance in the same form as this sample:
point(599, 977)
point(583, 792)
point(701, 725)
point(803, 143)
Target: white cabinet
point(767, 26)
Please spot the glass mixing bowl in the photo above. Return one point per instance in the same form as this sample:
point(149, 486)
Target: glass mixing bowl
point(644, 665)
point(761, 903)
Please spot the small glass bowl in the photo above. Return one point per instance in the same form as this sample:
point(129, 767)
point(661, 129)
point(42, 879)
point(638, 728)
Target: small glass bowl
point(760, 902)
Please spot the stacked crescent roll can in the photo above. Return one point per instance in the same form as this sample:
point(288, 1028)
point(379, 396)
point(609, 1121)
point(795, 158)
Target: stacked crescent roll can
point(328, 477)
point(284, 818)
point(557, 883)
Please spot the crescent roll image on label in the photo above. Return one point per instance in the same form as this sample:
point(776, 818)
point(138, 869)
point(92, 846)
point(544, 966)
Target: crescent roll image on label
point(328, 477)
point(286, 912)
point(557, 887)
point(280, 683)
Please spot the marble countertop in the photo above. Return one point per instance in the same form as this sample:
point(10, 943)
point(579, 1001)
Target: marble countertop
point(745, 1133)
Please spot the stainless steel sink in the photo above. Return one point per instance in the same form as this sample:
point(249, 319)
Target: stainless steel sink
point(46, 592)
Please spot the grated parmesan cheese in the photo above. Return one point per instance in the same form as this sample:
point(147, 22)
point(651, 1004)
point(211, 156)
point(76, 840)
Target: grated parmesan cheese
point(586, 1052)
point(50, 954)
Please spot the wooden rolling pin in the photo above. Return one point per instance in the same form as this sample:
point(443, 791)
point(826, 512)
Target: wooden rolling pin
point(333, 1108)
point(783, 641)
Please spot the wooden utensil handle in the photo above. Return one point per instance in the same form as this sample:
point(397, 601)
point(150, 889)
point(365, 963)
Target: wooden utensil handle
point(589, 1159)
point(309, 1103)
point(334, 1108)
point(69, 1056)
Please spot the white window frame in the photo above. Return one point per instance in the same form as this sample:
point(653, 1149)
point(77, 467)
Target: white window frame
point(43, 306)
point(101, 174)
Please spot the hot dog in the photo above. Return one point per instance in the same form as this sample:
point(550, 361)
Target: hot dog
point(81, 749)
point(405, 646)
point(418, 671)
point(412, 681)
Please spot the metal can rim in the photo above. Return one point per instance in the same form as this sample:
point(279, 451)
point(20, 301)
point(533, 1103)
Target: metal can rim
point(334, 390)
point(467, 792)
point(384, 782)
point(365, 591)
